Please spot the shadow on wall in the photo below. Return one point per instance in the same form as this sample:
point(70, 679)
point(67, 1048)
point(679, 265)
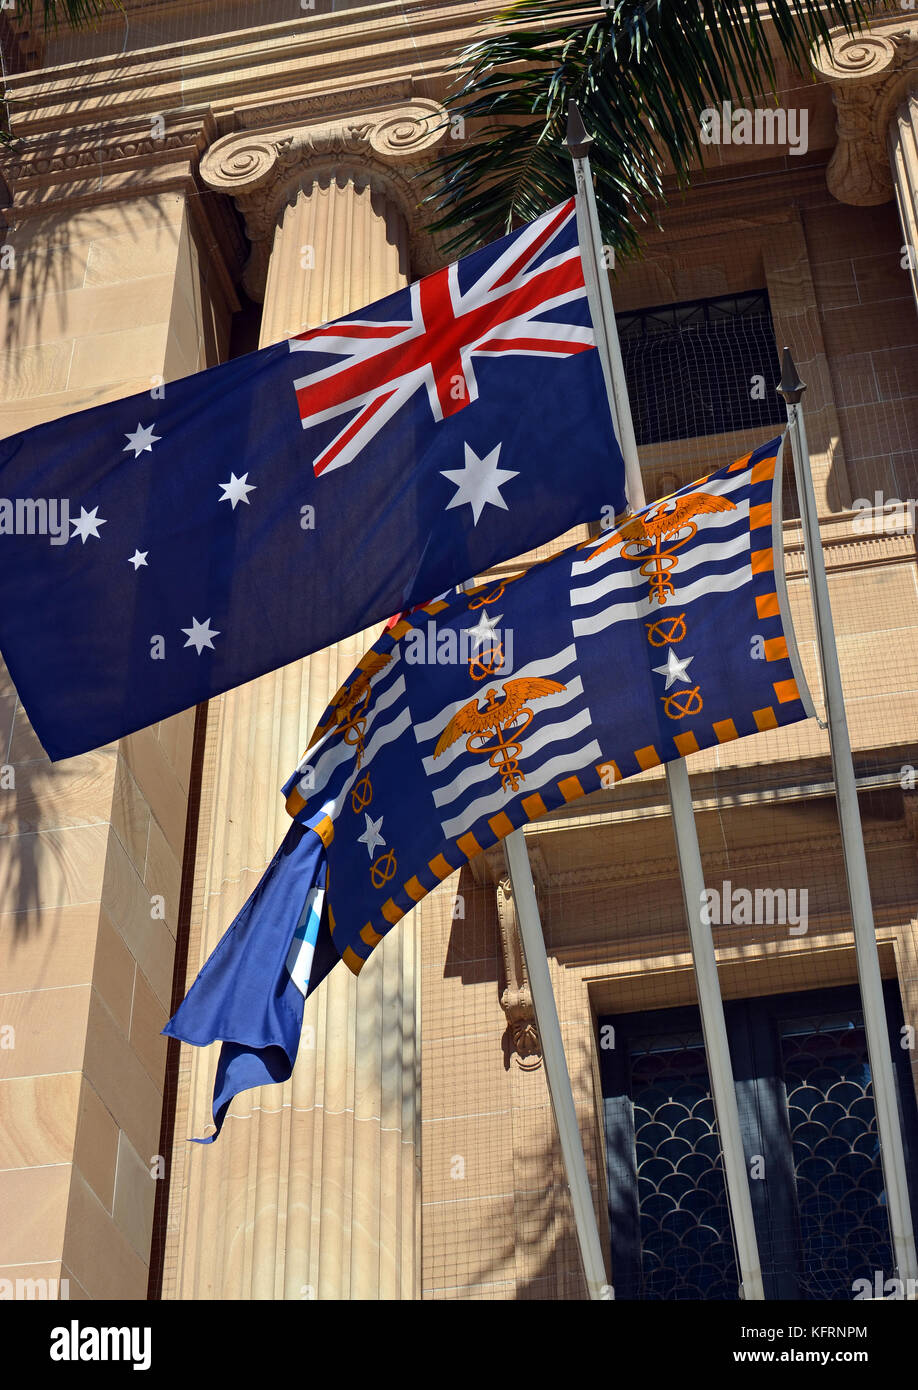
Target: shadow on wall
point(26, 793)
point(47, 270)
point(509, 1232)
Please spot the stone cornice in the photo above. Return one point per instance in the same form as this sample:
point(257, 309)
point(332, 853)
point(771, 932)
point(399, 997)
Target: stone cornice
point(36, 169)
point(725, 863)
point(844, 548)
point(263, 169)
point(827, 934)
point(869, 74)
point(590, 877)
point(272, 69)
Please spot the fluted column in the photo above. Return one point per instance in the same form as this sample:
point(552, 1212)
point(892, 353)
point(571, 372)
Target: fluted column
point(362, 239)
point(311, 1190)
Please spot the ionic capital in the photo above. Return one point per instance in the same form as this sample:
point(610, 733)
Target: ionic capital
point(390, 149)
point(870, 74)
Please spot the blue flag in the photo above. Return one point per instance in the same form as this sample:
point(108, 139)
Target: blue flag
point(484, 710)
point(162, 549)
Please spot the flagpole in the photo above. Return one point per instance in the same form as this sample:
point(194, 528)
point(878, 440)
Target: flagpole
point(560, 1093)
point(713, 1024)
point(889, 1130)
point(556, 1073)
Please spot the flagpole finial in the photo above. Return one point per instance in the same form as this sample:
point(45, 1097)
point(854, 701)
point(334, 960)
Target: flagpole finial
point(577, 140)
point(790, 386)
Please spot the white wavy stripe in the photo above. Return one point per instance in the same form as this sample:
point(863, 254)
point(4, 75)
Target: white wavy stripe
point(309, 757)
point(388, 734)
point(722, 488)
point(701, 555)
point(622, 612)
point(548, 733)
point(437, 766)
point(525, 242)
point(525, 327)
point(708, 520)
point(341, 344)
point(548, 666)
point(548, 772)
point(340, 752)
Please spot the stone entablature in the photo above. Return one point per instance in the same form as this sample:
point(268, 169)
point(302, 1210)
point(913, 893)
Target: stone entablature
point(307, 66)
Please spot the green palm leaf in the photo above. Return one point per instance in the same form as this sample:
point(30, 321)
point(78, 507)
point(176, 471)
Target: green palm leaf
point(641, 73)
point(77, 14)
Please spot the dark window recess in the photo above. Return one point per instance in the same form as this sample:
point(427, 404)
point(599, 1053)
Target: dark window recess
point(707, 366)
point(805, 1098)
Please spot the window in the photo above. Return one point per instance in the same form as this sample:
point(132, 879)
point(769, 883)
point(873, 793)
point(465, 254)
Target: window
point(706, 366)
point(809, 1133)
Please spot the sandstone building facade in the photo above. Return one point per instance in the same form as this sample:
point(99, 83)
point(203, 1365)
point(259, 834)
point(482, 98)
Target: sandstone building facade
point(186, 183)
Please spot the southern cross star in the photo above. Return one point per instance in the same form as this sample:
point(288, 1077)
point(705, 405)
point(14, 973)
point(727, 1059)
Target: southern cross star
point(139, 558)
point(478, 482)
point(142, 440)
point(675, 668)
point(200, 635)
point(236, 489)
point(87, 524)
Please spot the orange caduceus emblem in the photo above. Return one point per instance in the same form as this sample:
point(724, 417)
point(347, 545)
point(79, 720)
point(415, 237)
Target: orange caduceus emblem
point(668, 521)
point(486, 729)
point(349, 706)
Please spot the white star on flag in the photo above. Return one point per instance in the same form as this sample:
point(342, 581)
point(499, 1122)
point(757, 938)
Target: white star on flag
point(138, 558)
point(200, 635)
point(142, 440)
point(235, 490)
point(675, 668)
point(484, 630)
point(479, 481)
point(371, 836)
point(87, 524)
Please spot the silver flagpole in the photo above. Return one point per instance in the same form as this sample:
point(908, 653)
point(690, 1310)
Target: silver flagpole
point(560, 1092)
point(868, 962)
point(704, 960)
point(556, 1073)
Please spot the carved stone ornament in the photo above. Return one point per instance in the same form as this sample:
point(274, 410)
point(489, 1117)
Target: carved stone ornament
point(264, 170)
point(870, 74)
point(516, 999)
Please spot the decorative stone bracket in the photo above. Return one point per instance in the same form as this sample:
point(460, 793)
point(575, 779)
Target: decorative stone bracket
point(870, 74)
point(516, 999)
point(264, 170)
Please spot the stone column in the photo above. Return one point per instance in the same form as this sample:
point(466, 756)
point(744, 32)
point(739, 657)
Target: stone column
point(903, 159)
point(311, 1191)
point(118, 276)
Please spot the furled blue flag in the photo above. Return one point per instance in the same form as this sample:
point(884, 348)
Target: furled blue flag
point(488, 708)
point(158, 550)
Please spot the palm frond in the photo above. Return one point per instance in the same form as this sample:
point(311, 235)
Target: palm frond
point(74, 14)
point(642, 74)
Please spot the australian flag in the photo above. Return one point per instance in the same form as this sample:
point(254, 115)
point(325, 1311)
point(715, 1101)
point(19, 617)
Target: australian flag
point(226, 524)
point(487, 709)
